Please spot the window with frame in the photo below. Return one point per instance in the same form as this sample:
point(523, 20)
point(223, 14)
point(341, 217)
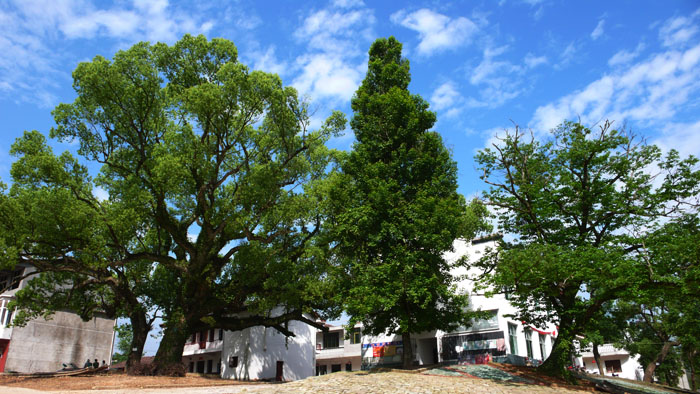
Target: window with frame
point(613, 366)
point(543, 346)
point(528, 342)
point(356, 336)
point(9, 280)
point(512, 337)
point(331, 340)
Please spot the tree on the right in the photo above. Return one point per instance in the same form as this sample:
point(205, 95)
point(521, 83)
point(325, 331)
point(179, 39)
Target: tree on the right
point(576, 208)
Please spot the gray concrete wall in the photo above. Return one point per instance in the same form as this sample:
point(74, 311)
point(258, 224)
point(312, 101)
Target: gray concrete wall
point(43, 345)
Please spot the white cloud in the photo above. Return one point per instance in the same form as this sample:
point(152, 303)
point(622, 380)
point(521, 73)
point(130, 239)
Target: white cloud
point(327, 76)
point(35, 32)
point(624, 56)
point(649, 91)
point(348, 3)
point(532, 61)
point(500, 80)
point(599, 30)
point(437, 32)
point(100, 194)
point(683, 137)
point(445, 97)
point(567, 56)
point(679, 30)
point(334, 64)
point(267, 61)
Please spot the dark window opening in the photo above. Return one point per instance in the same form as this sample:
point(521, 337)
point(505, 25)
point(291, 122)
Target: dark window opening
point(191, 366)
point(210, 366)
point(356, 336)
point(211, 335)
point(612, 366)
point(335, 368)
point(348, 367)
point(200, 366)
point(233, 362)
point(321, 369)
point(528, 343)
point(331, 340)
point(221, 334)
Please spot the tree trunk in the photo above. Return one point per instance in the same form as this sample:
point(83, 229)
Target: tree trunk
point(560, 357)
point(407, 350)
point(651, 367)
point(596, 357)
point(168, 359)
point(139, 334)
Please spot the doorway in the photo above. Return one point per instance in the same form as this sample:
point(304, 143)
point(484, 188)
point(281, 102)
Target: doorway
point(279, 376)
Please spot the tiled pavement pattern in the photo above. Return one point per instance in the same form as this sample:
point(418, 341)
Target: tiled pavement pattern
point(487, 372)
point(397, 382)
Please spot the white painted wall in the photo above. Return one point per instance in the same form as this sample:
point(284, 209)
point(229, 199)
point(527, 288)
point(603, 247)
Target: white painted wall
point(258, 349)
point(473, 252)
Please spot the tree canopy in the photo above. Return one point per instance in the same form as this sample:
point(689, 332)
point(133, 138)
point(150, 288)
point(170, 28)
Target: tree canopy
point(398, 209)
point(578, 206)
point(212, 173)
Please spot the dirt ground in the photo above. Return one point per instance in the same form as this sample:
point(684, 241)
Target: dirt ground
point(114, 381)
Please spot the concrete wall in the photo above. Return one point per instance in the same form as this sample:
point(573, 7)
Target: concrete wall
point(43, 345)
point(258, 349)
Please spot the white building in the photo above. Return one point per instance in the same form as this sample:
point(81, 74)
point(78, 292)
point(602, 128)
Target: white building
point(335, 353)
point(44, 345)
point(256, 353)
point(616, 362)
point(497, 336)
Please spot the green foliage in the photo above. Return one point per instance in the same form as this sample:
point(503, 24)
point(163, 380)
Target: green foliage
point(125, 336)
point(397, 208)
point(216, 189)
point(578, 205)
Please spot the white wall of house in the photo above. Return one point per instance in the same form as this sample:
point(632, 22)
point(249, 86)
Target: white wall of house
point(499, 303)
point(258, 349)
point(630, 367)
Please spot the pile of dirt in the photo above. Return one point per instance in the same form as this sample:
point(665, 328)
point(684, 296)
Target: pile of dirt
point(115, 381)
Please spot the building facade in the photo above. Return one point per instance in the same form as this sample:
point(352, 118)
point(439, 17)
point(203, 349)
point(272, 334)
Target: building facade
point(44, 345)
point(255, 353)
point(496, 336)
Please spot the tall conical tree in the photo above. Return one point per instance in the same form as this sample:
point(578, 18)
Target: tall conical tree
point(400, 209)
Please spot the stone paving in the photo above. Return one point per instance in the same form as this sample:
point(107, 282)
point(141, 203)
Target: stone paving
point(347, 383)
point(398, 382)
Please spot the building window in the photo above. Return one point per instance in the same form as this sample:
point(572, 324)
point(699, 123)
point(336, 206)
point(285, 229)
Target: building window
point(210, 366)
point(543, 346)
point(528, 342)
point(490, 323)
point(356, 336)
point(221, 334)
point(233, 362)
point(348, 367)
point(335, 368)
point(331, 340)
point(10, 279)
point(512, 332)
point(613, 366)
point(211, 335)
point(321, 369)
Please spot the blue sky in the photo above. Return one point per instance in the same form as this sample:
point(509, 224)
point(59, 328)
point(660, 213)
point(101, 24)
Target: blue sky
point(482, 65)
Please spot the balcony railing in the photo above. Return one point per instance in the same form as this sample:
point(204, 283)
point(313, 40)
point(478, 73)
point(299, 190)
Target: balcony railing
point(604, 350)
point(352, 350)
point(203, 347)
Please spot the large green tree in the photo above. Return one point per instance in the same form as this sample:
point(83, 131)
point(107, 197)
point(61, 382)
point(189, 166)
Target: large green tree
point(398, 209)
point(577, 204)
point(53, 223)
point(219, 166)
